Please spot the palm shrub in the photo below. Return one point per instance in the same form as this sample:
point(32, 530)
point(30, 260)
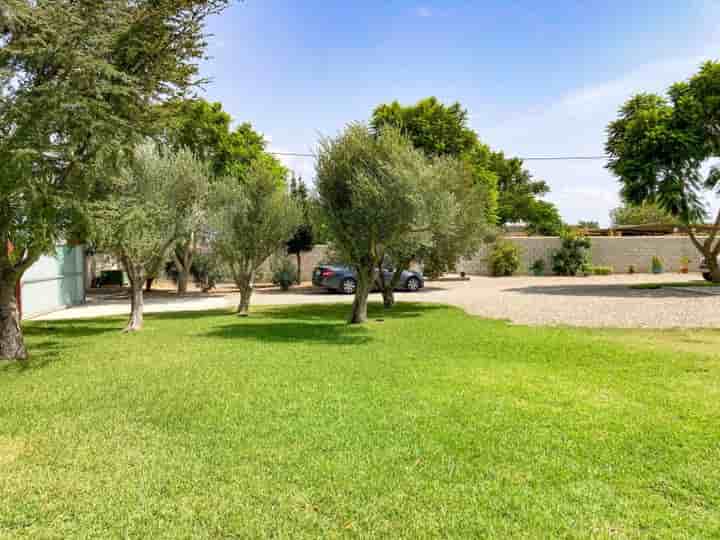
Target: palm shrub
point(573, 257)
point(504, 259)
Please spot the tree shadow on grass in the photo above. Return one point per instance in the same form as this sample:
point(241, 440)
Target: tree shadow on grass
point(313, 323)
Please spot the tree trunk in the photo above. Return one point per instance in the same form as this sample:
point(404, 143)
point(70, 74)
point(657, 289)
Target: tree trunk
point(299, 268)
point(182, 283)
point(149, 284)
point(245, 284)
point(364, 283)
point(137, 277)
point(12, 344)
point(713, 267)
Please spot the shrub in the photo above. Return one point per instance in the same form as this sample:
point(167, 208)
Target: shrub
point(631, 269)
point(573, 257)
point(504, 259)
point(207, 271)
point(657, 265)
point(284, 272)
point(538, 267)
point(601, 270)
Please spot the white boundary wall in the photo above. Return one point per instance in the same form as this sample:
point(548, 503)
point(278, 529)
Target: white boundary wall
point(617, 251)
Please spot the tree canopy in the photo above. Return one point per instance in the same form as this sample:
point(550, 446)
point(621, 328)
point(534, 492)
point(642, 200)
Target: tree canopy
point(205, 128)
point(251, 218)
point(78, 77)
point(658, 146)
point(153, 197)
point(513, 195)
point(641, 214)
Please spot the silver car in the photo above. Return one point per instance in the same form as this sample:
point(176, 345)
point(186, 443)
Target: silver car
point(344, 279)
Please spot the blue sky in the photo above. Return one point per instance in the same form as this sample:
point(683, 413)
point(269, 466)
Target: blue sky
point(538, 78)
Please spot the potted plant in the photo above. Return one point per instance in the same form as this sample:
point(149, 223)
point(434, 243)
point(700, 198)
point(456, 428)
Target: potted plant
point(657, 265)
point(684, 265)
point(538, 267)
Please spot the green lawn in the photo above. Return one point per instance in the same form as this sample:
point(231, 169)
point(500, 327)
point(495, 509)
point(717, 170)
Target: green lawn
point(291, 424)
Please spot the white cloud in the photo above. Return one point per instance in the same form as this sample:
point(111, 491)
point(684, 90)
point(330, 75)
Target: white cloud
point(423, 11)
point(575, 125)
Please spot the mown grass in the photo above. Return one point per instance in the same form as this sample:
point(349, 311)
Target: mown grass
point(291, 424)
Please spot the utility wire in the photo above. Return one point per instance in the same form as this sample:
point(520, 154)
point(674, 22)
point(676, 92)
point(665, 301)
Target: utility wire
point(535, 158)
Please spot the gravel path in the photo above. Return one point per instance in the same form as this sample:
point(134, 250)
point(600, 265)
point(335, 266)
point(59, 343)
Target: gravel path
point(600, 301)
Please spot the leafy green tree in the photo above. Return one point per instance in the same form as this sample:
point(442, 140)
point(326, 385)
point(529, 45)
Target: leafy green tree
point(303, 239)
point(519, 194)
point(251, 218)
point(369, 189)
point(77, 77)
point(543, 219)
point(205, 129)
point(588, 224)
point(153, 197)
point(512, 194)
point(441, 130)
point(641, 214)
point(658, 146)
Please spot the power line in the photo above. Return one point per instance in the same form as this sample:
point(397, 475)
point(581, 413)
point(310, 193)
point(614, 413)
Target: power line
point(533, 158)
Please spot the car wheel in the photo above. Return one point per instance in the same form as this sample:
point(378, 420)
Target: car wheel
point(348, 286)
point(413, 284)
point(707, 276)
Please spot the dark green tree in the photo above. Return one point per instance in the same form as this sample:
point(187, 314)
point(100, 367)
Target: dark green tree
point(658, 146)
point(77, 78)
point(303, 239)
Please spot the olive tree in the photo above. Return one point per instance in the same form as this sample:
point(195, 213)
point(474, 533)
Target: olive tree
point(155, 194)
point(251, 218)
point(452, 221)
point(77, 77)
point(369, 190)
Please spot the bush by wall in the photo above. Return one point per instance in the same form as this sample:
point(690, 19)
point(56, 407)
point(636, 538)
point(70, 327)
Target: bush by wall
point(573, 257)
point(504, 259)
point(601, 270)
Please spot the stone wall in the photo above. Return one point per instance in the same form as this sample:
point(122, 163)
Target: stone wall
point(617, 251)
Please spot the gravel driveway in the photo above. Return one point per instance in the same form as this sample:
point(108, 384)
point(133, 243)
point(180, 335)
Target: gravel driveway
point(606, 301)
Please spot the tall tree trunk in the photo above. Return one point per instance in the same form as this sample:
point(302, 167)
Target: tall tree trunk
point(299, 268)
point(708, 250)
point(135, 322)
point(389, 288)
point(12, 344)
point(713, 267)
point(137, 277)
point(183, 262)
point(245, 284)
point(365, 278)
point(183, 278)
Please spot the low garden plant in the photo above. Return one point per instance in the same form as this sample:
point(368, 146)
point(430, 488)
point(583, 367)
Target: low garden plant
point(504, 258)
point(573, 257)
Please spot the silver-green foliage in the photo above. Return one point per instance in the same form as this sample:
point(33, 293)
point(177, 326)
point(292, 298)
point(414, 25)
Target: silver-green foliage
point(251, 218)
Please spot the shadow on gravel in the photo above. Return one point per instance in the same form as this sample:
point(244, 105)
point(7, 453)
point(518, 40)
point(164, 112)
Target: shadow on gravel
point(609, 291)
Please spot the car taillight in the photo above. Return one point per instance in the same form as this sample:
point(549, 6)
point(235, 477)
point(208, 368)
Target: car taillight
point(326, 273)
